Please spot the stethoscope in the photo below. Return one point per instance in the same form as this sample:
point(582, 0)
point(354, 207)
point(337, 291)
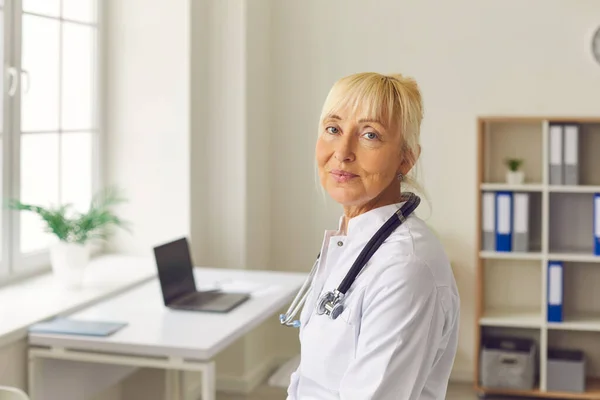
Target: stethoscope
point(331, 302)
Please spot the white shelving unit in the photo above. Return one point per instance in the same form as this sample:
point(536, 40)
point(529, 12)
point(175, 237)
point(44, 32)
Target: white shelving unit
point(512, 286)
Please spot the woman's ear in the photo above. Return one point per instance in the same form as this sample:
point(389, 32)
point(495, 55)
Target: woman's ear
point(409, 160)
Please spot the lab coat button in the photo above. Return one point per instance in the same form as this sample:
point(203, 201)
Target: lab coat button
point(340, 243)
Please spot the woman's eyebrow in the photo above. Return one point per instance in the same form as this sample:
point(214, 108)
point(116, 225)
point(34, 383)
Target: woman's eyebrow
point(363, 120)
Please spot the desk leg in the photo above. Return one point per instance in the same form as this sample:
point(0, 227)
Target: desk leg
point(31, 371)
point(174, 387)
point(209, 386)
point(175, 384)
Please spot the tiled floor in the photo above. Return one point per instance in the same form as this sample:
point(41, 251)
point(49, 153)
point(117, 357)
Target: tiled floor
point(455, 392)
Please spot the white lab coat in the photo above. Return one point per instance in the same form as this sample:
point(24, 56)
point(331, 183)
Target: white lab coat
point(397, 336)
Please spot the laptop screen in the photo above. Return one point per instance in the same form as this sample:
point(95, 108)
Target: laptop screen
point(175, 269)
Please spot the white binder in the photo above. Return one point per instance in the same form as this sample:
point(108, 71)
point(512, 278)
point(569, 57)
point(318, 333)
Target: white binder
point(521, 222)
point(556, 154)
point(571, 155)
point(488, 221)
point(597, 224)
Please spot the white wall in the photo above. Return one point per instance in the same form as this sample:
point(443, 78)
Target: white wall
point(147, 118)
point(470, 58)
point(147, 144)
point(214, 162)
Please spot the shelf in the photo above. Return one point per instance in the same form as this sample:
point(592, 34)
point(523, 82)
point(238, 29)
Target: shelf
point(574, 189)
point(571, 217)
point(512, 139)
point(511, 255)
point(538, 187)
point(589, 162)
point(503, 280)
point(592, 392)
point(513, 287)
point(574, 256)
point(526, 187)
point(512, 317)
point(578, 322)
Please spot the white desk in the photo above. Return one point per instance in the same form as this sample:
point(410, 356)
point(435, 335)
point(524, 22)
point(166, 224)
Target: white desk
point(155, 337)
point(42, 297)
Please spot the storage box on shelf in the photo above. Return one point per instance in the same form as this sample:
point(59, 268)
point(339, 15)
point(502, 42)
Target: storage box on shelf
point(538, 259)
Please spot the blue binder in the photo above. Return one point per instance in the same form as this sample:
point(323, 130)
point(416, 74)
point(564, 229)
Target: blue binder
point(597, 224)
point(504, 221)
point(555, 291)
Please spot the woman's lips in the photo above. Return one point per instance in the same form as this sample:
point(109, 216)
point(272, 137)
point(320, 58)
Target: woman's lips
point(342, 176)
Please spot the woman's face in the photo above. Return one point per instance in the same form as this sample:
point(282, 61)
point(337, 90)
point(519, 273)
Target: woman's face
point(358, 159)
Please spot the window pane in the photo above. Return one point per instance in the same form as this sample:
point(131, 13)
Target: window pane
point(1, 67)
point(1, 120)
point(39, 185)
point(76, 169)
point(80, 10)
point(1, 214)
point(77, 75)
point(45, 7)
point(40, 55)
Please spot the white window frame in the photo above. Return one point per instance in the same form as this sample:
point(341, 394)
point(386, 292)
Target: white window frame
point(15, 266)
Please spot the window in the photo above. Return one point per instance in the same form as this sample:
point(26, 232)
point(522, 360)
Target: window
point(49, 120)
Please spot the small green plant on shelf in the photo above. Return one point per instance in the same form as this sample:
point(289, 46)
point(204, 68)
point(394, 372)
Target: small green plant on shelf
point(514, 174)
point(76, 231)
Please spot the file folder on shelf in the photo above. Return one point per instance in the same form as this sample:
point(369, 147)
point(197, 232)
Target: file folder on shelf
point(520, 222)
point(504, 221)
point(597, 224)
point(555, 291)
point(556, 154)
point(488, 224)
point(571, 155)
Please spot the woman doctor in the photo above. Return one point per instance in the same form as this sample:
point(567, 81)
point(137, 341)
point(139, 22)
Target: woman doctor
point(396, 337)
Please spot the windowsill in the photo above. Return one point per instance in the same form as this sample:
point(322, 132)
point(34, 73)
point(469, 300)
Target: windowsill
point(41, 297)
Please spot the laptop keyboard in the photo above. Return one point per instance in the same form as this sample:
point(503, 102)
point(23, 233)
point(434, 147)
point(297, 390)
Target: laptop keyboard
point(199, 298)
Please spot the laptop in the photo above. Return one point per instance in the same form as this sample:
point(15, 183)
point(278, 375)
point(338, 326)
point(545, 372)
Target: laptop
point(175, 272)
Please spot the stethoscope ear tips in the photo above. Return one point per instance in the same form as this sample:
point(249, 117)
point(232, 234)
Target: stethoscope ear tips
point(284, 319)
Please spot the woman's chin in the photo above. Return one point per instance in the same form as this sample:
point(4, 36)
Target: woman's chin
point(345, 196)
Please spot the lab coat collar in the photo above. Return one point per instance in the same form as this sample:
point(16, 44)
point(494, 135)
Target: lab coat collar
point(369, 222)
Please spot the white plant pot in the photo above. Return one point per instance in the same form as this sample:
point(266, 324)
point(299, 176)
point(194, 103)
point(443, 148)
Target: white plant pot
point(515, 177)
point(68, 263)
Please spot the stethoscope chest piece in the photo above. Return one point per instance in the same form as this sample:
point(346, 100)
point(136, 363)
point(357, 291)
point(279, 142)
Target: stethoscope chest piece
point(330, 304)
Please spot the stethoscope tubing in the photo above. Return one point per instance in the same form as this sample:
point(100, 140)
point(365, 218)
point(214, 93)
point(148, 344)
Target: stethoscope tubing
point(372, 245)
point(296, 305)
point(376, 241)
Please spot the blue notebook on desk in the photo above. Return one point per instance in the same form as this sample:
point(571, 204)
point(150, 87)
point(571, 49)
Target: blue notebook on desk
point(68, 326)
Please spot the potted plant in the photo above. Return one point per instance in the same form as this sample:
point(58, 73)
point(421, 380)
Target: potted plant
point(75, 232)
point(514, 175)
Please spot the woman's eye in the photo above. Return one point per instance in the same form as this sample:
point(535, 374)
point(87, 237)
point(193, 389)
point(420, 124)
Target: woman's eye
point(371, 135)
point(332, 129)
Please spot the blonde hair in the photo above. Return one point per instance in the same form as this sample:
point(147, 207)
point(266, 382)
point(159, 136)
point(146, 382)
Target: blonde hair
point(394, 100)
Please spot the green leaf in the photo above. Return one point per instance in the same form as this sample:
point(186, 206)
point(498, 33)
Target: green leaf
point(513, 164)
point(97, 223)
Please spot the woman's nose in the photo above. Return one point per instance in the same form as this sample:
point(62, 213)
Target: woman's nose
point(344, 152)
